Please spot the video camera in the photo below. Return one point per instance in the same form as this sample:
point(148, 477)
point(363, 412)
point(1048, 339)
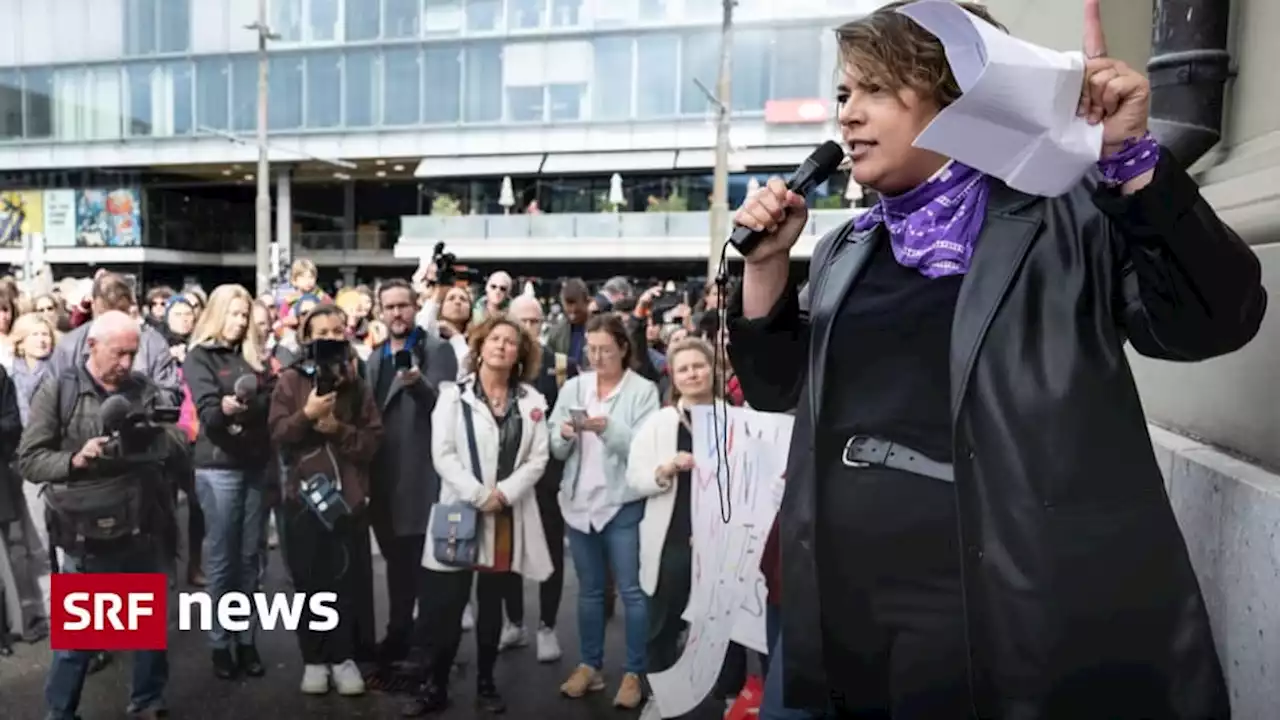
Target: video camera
point(448, 271)
point(331, 361)
point(131, 431)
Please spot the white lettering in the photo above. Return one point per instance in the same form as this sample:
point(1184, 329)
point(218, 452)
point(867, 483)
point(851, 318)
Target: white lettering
point(234, 610)
point(139, 606)
point(71, 604)
point(199, 600)
point(322, 605)
point(272, 609)
point(107, 607)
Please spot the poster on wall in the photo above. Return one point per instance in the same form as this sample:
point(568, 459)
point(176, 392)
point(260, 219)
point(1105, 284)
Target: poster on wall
point(60, 218)
point(21, 213)
point(109, 218)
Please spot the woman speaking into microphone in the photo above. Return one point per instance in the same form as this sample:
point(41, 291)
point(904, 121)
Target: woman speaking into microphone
point(974, 522)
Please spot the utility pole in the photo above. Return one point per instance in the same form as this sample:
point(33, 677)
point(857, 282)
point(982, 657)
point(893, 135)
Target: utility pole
point(724, 104)
point(262, 208)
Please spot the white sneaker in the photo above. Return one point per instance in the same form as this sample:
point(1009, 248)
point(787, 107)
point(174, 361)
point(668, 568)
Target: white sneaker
point(513, 636)
point(315, 680)
point(468, 619)
point(548, 645)
point(347, 678)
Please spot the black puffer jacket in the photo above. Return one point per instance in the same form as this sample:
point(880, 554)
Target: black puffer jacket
point(238, 443)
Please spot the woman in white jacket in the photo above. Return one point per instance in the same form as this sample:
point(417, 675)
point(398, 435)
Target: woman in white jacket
point(661, 468)
point(510, 426)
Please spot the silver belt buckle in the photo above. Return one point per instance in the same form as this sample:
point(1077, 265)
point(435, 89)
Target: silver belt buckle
point(849, 448)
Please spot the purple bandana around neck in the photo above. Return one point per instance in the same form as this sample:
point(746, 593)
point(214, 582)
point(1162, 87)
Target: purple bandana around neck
point(934, 227)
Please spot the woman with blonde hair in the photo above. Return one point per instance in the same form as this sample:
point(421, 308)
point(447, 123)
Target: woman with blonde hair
point(229, 386)
point(490, 447)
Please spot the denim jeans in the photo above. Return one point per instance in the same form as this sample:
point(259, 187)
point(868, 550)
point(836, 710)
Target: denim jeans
point(616, 547)
point(771, 707)
point(232, 502)
point(69, 668)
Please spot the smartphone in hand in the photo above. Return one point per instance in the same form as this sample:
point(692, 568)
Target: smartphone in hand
point(578, 416)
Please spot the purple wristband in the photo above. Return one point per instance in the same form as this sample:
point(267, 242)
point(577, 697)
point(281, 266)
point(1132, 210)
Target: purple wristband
point(1138, 156)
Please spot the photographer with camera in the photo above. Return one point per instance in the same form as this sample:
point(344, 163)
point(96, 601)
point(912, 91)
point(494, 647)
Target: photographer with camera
point(229, 387)
point(327, 427)
point(99, 442)
point(447, 311)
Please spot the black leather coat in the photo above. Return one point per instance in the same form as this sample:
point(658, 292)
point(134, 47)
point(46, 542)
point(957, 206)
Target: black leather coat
point(1081, 599)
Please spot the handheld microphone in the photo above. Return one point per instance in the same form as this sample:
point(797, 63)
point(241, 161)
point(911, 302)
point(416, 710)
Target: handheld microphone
point(812, 172)
point(245, 388)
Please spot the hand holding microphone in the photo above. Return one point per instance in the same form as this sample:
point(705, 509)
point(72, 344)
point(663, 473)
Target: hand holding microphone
point(245, 389)
point(770, 222)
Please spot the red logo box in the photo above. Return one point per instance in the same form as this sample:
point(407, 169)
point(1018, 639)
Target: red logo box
point(109, 611)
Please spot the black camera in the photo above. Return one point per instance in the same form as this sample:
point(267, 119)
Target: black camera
point(446, 265)
point(329, 359)
point(403, 360)
point(320, 493)
point(132, 431)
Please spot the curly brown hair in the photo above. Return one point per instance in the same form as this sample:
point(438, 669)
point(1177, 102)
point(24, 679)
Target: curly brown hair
point(890, 49)
point(528, 357)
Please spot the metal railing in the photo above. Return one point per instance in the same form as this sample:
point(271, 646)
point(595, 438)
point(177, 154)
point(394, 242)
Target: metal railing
point(425, 229)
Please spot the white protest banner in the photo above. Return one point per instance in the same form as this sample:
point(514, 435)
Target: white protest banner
point(736, 476)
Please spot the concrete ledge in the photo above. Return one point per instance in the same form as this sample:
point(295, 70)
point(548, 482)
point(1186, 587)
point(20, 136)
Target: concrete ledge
point(1229, 511)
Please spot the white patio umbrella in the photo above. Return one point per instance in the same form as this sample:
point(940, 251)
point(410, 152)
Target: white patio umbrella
point(852, 191)
point(752, 186)
point(616, 198)
point(507, 196)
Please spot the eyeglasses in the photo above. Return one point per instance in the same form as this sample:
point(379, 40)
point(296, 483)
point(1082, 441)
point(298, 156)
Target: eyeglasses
point(46, 309)
point(503, 288)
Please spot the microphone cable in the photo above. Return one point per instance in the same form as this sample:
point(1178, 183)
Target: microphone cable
point(719, 368)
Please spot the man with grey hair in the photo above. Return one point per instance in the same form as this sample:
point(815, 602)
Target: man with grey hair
point(497, 295)
point(65, 449)
point(556, 368)
point(614, 289)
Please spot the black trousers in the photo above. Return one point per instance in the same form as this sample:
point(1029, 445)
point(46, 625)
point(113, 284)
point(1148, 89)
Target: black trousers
point(337, 561)
point(667, 604)
point(893, 622)
point(450, 593)
point(405, 587)
point(552, 589)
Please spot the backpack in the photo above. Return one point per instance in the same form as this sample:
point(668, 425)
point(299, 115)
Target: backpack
point(95, 509)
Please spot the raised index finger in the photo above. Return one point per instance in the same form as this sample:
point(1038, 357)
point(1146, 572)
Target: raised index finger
point(1095, 43)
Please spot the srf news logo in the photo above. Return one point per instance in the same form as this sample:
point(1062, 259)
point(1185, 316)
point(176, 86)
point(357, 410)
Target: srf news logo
point(130, 611)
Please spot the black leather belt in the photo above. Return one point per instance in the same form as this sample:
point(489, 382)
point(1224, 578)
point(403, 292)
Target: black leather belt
point(866, 451)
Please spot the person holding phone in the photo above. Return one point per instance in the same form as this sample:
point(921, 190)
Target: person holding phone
point(592, 425)
point(405, 374)
point(326, 424)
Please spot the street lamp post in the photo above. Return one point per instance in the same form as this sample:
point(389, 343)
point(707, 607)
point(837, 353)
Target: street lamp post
point(262, 207)
point(723, 103)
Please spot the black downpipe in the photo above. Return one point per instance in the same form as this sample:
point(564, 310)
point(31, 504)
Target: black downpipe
point(1188, 70)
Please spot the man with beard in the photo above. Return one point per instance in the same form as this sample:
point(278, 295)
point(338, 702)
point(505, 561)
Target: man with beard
point(404, 482)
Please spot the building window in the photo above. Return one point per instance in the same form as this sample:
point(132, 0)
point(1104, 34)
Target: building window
point(525, 14)
point(483, 89)
point(752, 69)
point(443, 17)
point(180, 85)
point(156, 26)
point(800, 52)
point(611, 84)
point(141, 106)
point(483, 15)
point(326, 20)
point(402, 18)
point(401, 87)
point(364, 20)
point(88, 104)
point(37, 103)
point(566, 101)
point(324, 90)
point(654, 10)
point(566, 13)
point(525, 104)
point(244, 94)
point(159, 100)
point(285, 19)
point(442, 81)
point(700, 62)
point(10, 105)
point(284, 106)
point(360, 88)
point(213, 83)
point(656, 88)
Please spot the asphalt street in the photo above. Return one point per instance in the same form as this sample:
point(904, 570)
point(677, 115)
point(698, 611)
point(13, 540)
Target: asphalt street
point(530, 688)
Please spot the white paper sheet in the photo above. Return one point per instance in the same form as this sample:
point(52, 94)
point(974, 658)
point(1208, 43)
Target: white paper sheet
point(1017, 117)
